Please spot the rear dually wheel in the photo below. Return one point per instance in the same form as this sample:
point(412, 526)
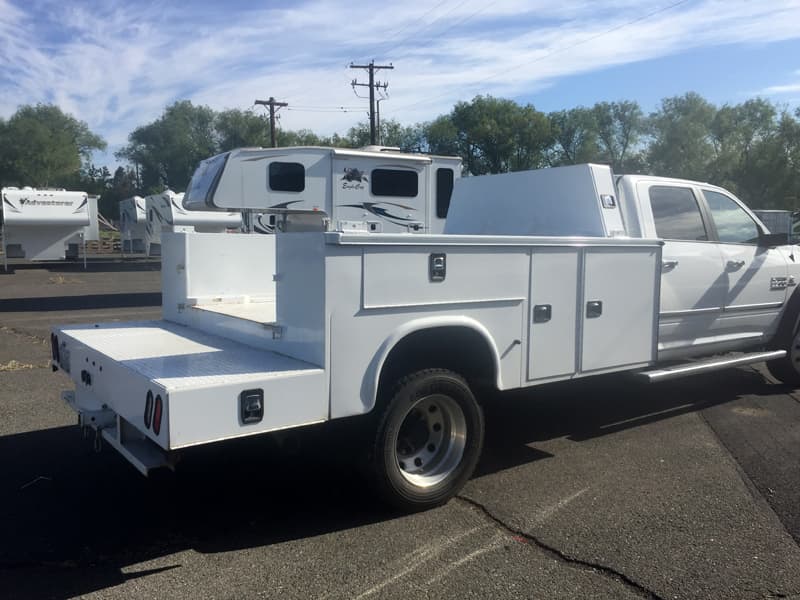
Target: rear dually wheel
point(428, 440)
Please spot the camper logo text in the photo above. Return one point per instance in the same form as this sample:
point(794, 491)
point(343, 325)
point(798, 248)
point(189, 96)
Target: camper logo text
point(352, 179)
point(29, 202)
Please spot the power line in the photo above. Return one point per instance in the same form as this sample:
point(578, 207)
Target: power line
point(558, 50)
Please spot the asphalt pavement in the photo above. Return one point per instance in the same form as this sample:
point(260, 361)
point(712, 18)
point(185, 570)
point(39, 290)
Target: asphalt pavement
point(604, 488)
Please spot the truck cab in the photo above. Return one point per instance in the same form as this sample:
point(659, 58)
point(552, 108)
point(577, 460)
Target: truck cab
point(724, 280)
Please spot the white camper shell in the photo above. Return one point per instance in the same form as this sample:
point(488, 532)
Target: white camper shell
point(44, 224)
point(165, 212)
point(371, 189)
point(133, 224)
point(263, 333)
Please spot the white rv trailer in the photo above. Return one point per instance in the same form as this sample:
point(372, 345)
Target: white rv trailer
point(382, 189)
point(133, 224)
point(43, 224)
point(165, 212)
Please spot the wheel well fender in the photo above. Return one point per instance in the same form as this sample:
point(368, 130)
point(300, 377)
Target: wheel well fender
point(449, 342)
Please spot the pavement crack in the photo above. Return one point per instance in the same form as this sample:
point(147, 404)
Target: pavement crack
point(560, 555)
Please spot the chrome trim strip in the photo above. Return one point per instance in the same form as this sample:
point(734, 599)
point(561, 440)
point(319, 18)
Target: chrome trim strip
point(714, 365)
point(761, 306)
point(686, 313)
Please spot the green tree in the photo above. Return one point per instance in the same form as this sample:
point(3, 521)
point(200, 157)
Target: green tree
point(492, 135)
point(239, 129)
point(681, 144)
point(42, 146)
point(619, 127)
point(169, 149)
point(574, 137)
point(391, 133)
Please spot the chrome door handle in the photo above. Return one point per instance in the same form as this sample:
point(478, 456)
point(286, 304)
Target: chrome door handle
point(735, 265)
point(668, 265)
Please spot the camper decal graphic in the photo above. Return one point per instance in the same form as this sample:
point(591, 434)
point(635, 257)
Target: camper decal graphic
point(82, 204)
point(262, 226)
point(284, 205)
point(384, 210)
point(28, 202)
point(8, 202)
point(352, 179)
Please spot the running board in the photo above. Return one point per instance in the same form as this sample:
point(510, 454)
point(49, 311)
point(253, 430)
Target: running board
point(703, 366)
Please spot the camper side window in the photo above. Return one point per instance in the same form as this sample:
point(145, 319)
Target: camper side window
point(444, 191)
point(287, 177)
point(392, 182)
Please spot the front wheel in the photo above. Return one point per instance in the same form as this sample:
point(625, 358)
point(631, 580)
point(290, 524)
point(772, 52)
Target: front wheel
point(787, 369)
point(428, 441)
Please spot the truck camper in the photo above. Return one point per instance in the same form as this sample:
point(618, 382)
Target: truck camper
point(44, 224)
point(375, 188)
point(133, 225)
point(539, 276)
point(165, 212)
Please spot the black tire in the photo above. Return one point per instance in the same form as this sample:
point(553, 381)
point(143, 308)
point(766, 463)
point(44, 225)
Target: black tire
point(428, 440)
point(787, 369)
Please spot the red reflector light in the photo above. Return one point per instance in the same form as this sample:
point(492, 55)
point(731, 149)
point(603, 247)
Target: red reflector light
point(158, 411)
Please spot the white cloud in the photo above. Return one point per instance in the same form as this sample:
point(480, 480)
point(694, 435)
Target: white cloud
point(117, 65)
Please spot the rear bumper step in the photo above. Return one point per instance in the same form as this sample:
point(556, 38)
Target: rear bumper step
point(714, 364)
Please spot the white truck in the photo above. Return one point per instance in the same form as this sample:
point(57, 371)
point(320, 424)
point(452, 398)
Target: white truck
point(133, 225)
point(165, 212)
point(376, 188)
point(539, 276)
point(45, 224)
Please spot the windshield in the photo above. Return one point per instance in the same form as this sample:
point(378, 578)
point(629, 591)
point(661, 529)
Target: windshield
point(204, 182)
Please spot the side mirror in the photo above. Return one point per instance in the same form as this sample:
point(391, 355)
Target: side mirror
point(770, 240)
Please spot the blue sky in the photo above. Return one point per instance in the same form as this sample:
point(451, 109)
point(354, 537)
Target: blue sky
point(116, 64)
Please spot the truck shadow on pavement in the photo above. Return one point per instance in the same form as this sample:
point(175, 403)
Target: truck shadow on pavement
point(74, 521)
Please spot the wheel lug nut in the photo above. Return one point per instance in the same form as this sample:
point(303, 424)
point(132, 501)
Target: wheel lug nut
point(437, 427)
point(431, 447)
point(418, 462)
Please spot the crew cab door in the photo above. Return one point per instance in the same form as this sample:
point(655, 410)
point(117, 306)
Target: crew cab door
point(755, 276)
point(693, 283)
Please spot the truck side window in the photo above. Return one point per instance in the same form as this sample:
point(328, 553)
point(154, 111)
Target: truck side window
point(444, 191)
point(677, 214)
point(287, 177)
point(734, 226)
point(394, 182)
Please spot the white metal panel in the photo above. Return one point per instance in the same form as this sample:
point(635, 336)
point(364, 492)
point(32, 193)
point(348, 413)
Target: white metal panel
point(300, 289)
point(400, 277)
point(625, 281)
point(554, 281)
point(561, 201)
point(237, 266)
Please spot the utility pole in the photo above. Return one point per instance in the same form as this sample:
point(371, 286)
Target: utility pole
point(273, 104)
point(372, 85)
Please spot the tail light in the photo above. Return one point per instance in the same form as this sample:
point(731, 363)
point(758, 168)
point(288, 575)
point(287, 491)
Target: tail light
point(158, 412)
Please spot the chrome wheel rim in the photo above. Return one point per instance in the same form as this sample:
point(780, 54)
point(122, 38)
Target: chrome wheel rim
point(430, 441)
